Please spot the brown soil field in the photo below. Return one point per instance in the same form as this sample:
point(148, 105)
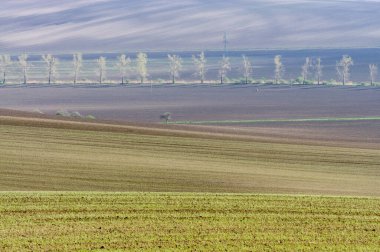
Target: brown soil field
point(53, 154)
point(363, 134)
point(136, 152)
point(135, 103)
point(141, 106)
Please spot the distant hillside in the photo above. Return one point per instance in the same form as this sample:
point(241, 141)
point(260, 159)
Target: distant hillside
point(115, 25)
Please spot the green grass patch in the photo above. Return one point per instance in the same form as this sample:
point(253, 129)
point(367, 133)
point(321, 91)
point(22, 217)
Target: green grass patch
point(186, 222)
point(331, 119)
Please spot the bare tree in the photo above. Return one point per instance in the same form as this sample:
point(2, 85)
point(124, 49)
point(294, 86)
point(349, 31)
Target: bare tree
point(343, 68)
point(306, 70)
point(175, 63)
point(224, 67)
point(200, 64)
point(247, 68)
point(373, 73)
point(142, 61)
point(23, 62)
point(51, 66)
point(77, 63)
point(279, 69)
point(123, 65)
point(102, 68)
point(5, 62)
point(318, 70)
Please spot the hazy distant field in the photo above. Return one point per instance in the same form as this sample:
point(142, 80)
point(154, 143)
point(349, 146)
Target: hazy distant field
point(193, 103)
point(198, 102)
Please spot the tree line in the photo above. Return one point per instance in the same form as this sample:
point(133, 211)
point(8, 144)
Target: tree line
point(311, 70)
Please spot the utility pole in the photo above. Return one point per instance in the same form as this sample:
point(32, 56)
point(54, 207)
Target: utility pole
point(225, 42)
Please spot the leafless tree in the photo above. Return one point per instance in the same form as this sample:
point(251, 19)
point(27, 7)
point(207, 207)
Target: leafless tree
point(306, 70)
point(5, 62)
point(123, 65)
point(318, 70)
point(77, 63)
point(373, 73)
point(175, 63)
point(51, 66)
point(224, 67)
point(200, 64)
point(247, 68)
point(23, 62)
point(142, 61)
point(279, 69)
point(102, 68)
point(343, 68)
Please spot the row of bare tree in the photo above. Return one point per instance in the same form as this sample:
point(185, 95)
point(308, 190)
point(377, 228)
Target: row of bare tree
point(312, 69)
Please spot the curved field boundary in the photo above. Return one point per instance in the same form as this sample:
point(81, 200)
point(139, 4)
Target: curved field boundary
point(337, 119)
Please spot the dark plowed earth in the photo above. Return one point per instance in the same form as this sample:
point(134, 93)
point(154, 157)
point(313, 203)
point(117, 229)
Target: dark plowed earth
point(142, 106)
point(363, 134)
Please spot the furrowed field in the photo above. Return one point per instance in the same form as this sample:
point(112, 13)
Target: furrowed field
point(187, 222)
point(103, 159)
point(102, 185)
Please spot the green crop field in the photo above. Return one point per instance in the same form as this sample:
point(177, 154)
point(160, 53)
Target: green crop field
point(187, 222)
point(136, 188)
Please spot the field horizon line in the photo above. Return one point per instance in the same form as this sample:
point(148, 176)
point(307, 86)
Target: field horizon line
point(279, 120)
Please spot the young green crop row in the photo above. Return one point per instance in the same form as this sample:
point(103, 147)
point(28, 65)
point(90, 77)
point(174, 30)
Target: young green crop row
point(187, 222)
